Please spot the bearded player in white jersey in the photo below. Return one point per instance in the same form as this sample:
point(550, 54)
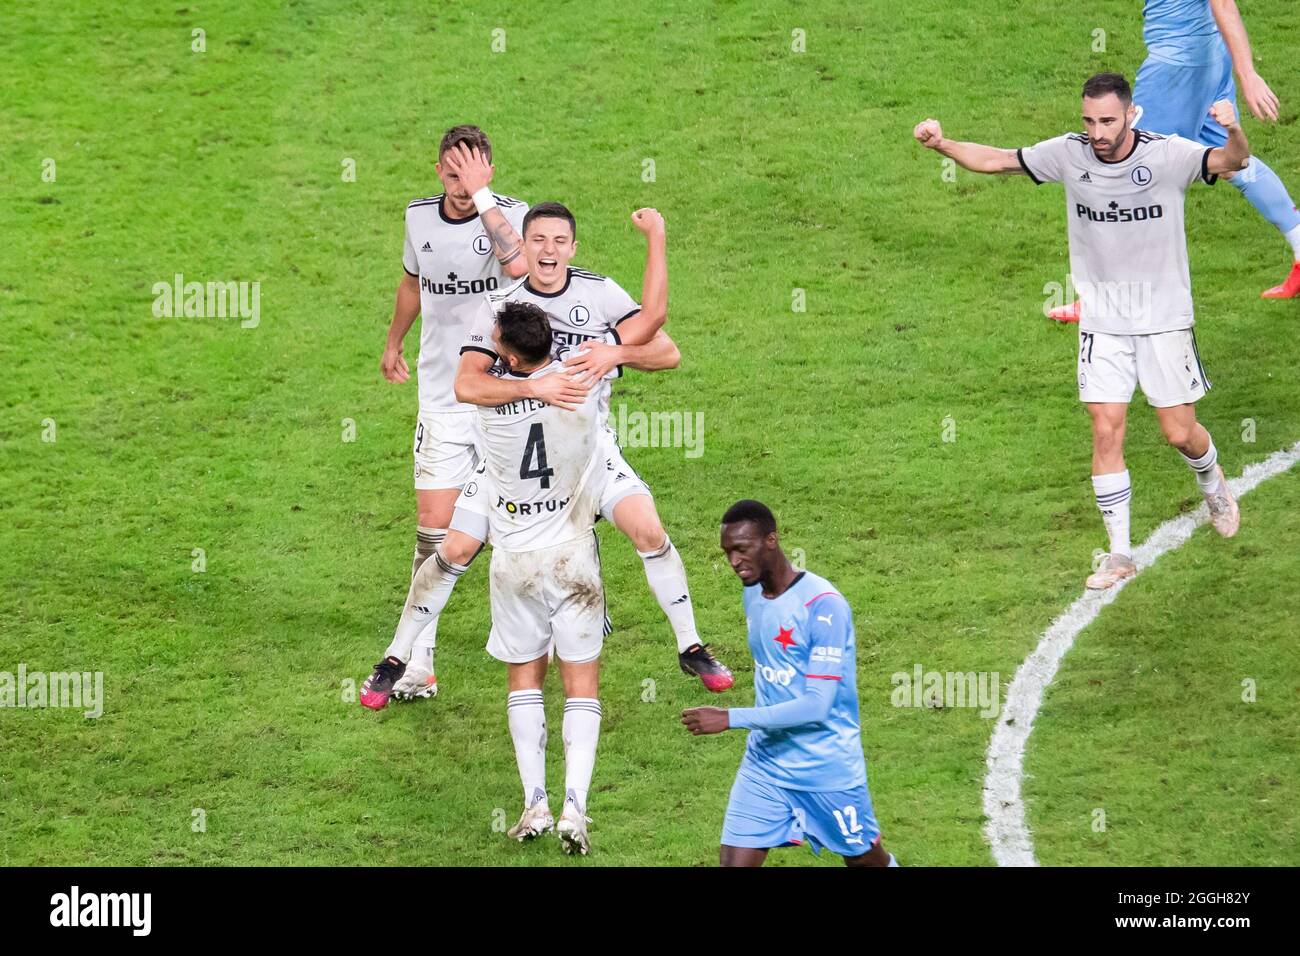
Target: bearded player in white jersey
point(603, 329)
point(1124, 191)
point(459, 245)
point(546, 470)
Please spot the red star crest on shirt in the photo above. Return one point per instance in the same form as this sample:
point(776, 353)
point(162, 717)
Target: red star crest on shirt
point(785, 637)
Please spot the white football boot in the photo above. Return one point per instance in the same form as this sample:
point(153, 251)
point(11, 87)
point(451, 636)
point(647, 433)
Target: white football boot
point(1112, 569)
point(1224, 513)
point(535, 821)
point(572, 830)
point(418, 681)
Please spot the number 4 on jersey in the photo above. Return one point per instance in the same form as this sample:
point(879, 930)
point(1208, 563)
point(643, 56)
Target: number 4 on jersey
point(536, 444)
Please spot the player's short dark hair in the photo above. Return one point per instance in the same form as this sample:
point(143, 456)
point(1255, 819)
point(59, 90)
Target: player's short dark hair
point(525, 330)
point(550, 210)
point(749, 510)
point(1103, 83)
point(471, 136)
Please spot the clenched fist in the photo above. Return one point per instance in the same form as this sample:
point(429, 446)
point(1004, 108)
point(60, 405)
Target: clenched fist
point(648, 220)
point(929, 133)
point(1224, 113)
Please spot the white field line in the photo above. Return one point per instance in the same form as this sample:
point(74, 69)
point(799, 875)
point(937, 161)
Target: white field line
point(1006, 830)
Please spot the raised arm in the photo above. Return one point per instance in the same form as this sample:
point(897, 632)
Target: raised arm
point(405, 311)
point(1260, 100)
point(476, 173)
point(1233, 155)
point(972, 156)
point(476, 385)
point(641, 327)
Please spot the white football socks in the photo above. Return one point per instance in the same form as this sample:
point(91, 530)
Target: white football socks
point(527, 718)
point(1206, 469)
point(1293, 237)
point(1114, 491)
point(581, 731)
point(426, 542)
point(667, 577)
point(417, 631)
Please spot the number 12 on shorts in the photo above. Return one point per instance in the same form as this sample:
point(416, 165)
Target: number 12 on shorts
point(850, 826)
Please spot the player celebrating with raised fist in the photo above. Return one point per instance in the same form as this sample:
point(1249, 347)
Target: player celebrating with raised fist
point(1193, 48)
point(459, 245)
point(803, 775)
point(602, 329)
point(1124, 191)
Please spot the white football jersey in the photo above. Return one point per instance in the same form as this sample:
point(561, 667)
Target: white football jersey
point(544, 470)
point(588, 307)
point(1128, 247)
point(456, 265)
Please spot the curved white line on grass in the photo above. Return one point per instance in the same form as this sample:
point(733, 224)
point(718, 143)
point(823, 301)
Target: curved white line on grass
point(1006, 830)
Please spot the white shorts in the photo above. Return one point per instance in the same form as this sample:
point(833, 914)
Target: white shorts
point(549, 595)
point(446, 449)
point(621, 479)
point(470, 515)
point(1166, 364)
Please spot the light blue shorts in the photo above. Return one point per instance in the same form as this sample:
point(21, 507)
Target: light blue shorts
point(762, 815)
point(1176, 100)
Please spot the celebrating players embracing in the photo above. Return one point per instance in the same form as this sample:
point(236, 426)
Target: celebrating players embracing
point(544, 467)
point(459, 245)
point(1124, 190)
point(603, 330)
point(803, 775)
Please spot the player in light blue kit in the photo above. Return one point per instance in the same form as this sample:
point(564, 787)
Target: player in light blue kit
point(1193, 48)
point(803, 776)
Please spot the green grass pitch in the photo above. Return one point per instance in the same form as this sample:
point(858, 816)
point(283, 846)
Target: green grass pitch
point(227, 735)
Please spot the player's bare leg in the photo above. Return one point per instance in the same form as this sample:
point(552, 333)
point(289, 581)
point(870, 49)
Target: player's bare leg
point(637, 518)
point(876, 856)
point(741, 856)
point(1184, 432)
point(1113, 490)
point(581, 733)
point(527, 719)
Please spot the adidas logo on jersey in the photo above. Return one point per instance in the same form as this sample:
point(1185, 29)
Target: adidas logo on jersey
point(1085, 178)
point(426, 248)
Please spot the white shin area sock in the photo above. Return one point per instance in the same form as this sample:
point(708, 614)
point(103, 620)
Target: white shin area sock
point(1114, 492)
point(417, 631)
point(426, 542)
point(527, 718)
point(1206, 469)
point(667, 577)
point(581, 732)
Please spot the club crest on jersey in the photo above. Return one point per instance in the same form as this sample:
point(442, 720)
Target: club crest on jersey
point(579, 315)
point(785, 637)
point(1141, 176)
point(482, 245)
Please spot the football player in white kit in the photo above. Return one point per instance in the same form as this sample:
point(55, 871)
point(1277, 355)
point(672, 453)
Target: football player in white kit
point(459, 245)
point(545, 468)
point(603, 328)
point(1124, 192)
